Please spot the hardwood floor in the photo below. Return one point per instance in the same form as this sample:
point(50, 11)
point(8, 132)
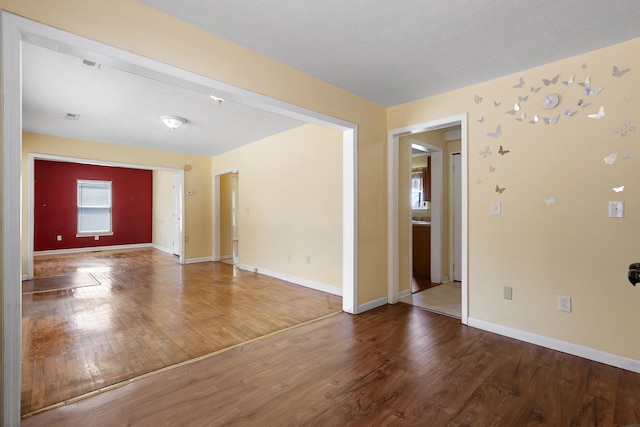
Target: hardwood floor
point(146, 314)
point(397, 365)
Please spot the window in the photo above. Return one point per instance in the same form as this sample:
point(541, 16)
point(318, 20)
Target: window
point(417, 189)
point(94, 207)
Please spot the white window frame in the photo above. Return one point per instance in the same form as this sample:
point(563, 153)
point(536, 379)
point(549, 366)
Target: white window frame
point(108, 232)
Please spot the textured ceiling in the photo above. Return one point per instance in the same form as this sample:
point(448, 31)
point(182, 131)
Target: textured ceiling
point(393, 52)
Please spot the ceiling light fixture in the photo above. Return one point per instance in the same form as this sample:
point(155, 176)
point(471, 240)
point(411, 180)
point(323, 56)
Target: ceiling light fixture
point(174, 122)
point(215, 98)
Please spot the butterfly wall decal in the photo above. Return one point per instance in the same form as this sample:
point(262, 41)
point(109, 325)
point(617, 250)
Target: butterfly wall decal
point(569, 113)
point(492, 169)
point(551, 120)
point(486, 152)
point(514, 110)
point(551, 81)
point(502, 151)
point(550, 201)
point(523, 98)
point(568, 81)
point(598, 115)
point(618, 189)
point(587, 81)
point(478, 99)
point(522, 117)
point(534, 120)
point(627, 127)
point(481, 119)
point(500, 190)
point(628, 156)
point(535, 89)
point(611, 158)
point(497, 103)
point(520, 84)
point(592, 92)
point(497, 133)
point(583, 104)
point(618, 72)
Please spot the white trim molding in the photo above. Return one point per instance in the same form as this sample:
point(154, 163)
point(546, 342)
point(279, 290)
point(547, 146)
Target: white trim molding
point(92, 249)
point(393, 202)
point(293, 279)
point(197, 260)
point(373, 304)
point(554, 344)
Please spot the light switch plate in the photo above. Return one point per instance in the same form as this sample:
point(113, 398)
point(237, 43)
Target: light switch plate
point(616, 209)
point(496, 208)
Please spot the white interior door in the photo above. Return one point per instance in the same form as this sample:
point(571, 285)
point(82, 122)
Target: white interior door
point(456, 203)
point(177, 212)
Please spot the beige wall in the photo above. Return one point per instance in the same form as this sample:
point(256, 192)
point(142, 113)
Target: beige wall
point(197, 208)
point(569, 247)
point(290, 203)
point(162, 227)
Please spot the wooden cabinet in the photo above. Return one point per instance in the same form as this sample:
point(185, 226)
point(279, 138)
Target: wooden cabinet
point(422, 250)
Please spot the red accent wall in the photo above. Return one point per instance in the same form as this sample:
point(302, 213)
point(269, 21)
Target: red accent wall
point(55, 207)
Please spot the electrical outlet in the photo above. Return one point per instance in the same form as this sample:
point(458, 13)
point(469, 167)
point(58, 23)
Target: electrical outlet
point(308, 259)
point(507, 292)
point(564, 303)
point(59, 237)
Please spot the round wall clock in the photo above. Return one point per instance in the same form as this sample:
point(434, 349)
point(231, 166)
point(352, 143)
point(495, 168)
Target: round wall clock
point(550, 101)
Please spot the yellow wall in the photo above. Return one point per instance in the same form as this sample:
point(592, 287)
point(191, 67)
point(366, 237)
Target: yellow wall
point(290, 203)
point(162, 228)
point(197, 208)
point(570, 247)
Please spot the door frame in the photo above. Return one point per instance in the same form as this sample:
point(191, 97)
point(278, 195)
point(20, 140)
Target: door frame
point(15, 30)
point(452, 211)
point(393, 201)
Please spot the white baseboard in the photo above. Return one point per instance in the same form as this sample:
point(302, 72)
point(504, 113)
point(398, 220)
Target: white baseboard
point(371, 305)
point(226, 257)
point(25, 277)
point(404, 293)
point(444, 279)
point(91, 249)
point(162, 249)
point(563, 346)
point(293, 279)
point(196, 260)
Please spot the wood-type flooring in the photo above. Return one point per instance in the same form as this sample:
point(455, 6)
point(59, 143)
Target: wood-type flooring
point(397, 365)
point(147, 313)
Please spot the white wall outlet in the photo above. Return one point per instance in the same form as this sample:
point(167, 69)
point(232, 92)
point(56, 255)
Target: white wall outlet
point(96, 237)
point(59, 237)
point(616, 209)
point(308, 259)
point(496, 208)
point(564, 303)
point(507, 292)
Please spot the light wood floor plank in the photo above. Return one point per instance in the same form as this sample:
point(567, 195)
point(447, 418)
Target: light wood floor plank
point(147, 313)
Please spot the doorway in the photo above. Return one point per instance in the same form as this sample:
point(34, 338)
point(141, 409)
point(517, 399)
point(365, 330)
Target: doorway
point(15, 30)
point(395, 219)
